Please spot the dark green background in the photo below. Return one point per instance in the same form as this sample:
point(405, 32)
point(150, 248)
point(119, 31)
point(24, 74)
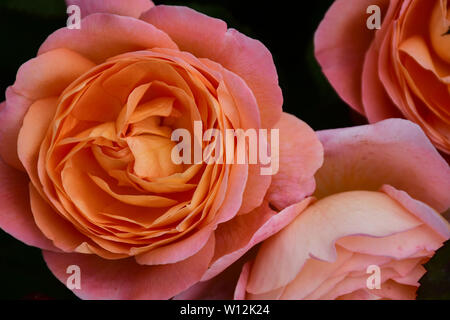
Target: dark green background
point(285, 27)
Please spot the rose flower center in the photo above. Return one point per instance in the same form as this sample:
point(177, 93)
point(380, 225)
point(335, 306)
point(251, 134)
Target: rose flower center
point(108, 153)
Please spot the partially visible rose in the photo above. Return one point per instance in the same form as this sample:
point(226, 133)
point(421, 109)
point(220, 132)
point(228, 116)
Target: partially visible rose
point(379, 194)
point(87, 173)
point(401, 70)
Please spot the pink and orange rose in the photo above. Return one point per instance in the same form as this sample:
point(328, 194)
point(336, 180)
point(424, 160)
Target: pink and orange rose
point(401, 70)
point(87, 173)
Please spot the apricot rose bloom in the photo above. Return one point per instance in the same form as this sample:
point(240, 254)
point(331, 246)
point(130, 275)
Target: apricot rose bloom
point(85, 135)
point(400, 70)
point(378, 202)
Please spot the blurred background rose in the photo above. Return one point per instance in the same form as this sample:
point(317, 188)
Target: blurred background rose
point(401, 70)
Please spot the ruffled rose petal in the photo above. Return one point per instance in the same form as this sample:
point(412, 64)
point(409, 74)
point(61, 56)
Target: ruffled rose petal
point(50, 73)
point(206, 37)
point(235, 185)
point(420, 210)
point(221, 287)
point(56, 228)
point(16, 217)
point(399, 246)
point(11, 116)
point(127, 280)
point(377, 103)
point(35, 125)
point(371, 213)
point(341, 42)
point(355, 282)
point(396, 291)
point(313, 274)
point(131, 8)
point(240, 291)
point(104, 35)
point(178, 251)
point(42, 77)
point(301, 155)
point(394, 152)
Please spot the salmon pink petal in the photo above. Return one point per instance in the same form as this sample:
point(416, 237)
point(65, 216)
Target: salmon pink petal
point(235, 238)
point(248, 112)
point(177, 251)
point(354, 283)
point(394, 152)
point(56, 228)
point(131, 8)
point(420, 210)
point(127, 280)
point(236, 182)
point(360, 294)
point(399, 246)
point(11, 117)
point(42, 77)
point(49, 74)
point(255, 189)
point(15, 216)
point(341, 43)
point(218, 288)
point(301, 155)
point(313, 274)
point(206, 37)
point(104, 35)
point(396, 291)
point(377, 103)
point(35, 125)
point(240, 292)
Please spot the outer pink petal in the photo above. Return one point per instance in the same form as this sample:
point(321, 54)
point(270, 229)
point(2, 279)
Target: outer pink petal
point(42, 77)
point(11, 117)
point(218, 288)
point(301, 154)
point(207, 37)
point(241, 292)
point(132, 8)
point(394, 152)
point(257, 184)
point(125, 279)
point(49, 74)
point(238, 236)
point(104, 35)
point(15, 213)
point(341, 42)
point(377, 103)
point(177, 251)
